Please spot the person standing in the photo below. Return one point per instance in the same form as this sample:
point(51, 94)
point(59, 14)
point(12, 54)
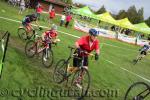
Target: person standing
point(68, 19)
point(51, 14)
point(22, 6)
point(39, 10)
point(63, 17)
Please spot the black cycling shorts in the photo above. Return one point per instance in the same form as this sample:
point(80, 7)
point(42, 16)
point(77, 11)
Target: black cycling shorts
point(77, 61)
point(143, 53)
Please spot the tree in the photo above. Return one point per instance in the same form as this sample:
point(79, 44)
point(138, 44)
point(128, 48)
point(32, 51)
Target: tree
point(122, 14)
point(68, 1)
point(132, 14)
point(101, 10)
point(140, 17)
point(147, 21)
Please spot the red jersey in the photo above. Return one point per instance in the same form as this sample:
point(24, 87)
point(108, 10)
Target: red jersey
point(39, 10)
point(51, 34)
point(85, 44)
point(68, 18)
point(52, 14)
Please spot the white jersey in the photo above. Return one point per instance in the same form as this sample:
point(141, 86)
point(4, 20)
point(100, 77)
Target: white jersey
point(63, 17)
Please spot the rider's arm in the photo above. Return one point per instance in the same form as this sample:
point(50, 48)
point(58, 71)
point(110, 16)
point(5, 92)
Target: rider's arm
point(98, 51)
point(77, 45)
point(79, 42)
point(43, 36)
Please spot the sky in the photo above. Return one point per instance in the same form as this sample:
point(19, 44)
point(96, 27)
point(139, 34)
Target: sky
point(114, 6)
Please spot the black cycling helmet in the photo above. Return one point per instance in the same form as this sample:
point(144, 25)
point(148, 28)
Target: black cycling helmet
point(93, 32)
point(34, 16)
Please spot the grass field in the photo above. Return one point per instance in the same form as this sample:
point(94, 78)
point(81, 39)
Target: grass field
point(113, 71)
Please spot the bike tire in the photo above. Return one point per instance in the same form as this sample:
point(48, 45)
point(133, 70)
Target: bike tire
point(30, 47)
point(135, 61)
point(22, 33)
point(47, 61)
point(126, 97)
point(84, 91)
point(60, 71)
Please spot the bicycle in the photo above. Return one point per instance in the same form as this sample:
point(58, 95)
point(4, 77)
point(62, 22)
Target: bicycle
point(140, 93)
point(140, 57)
point(33, 48)
point(60, 73)
point(23, 35)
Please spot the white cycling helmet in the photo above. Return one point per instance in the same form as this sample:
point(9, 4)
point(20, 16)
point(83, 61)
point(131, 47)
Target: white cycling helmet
point(54, 27)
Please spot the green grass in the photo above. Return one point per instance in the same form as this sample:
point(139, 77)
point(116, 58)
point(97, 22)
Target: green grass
point(22, 72)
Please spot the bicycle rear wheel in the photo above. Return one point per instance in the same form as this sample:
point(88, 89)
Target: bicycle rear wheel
point(137, 91)
point(60, 71)
point(30, 48)
point(22, 33)
point(47, 58)
point(82, 78)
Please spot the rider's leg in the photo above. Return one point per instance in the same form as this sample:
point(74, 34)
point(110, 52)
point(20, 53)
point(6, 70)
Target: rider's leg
point(29, 28)
point(76, 64)
point(82, 72)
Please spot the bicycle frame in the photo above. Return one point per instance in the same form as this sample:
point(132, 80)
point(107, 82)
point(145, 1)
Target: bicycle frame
point(46, 45)
point(71, 56)
point(144, 92)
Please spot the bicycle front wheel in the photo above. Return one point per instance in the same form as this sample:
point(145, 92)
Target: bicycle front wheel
point(47, 58)
point(135, 61)
point(60, 71)
point(22, 33)
point(30, 48)
point(137, 91)
point(81, 82)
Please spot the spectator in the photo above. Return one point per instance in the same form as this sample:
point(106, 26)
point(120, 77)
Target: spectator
point(127, 32)
point(142, 36)
point(18, 2)
point(22, 6)
point(39, 10)
point(51, 14)
point(27, 4)
point(68, 19)
point(112, 28)
point(63, 17)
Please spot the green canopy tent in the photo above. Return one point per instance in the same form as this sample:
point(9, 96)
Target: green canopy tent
point(142, 27)
point(85, 11)
point(106, 17)
point(125, 23)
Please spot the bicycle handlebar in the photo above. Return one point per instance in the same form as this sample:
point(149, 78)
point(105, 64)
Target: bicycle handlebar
point(82, 51)
point(71, 47)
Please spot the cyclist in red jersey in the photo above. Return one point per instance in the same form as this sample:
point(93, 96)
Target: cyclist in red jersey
point(51, 36)
point(88, 44)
